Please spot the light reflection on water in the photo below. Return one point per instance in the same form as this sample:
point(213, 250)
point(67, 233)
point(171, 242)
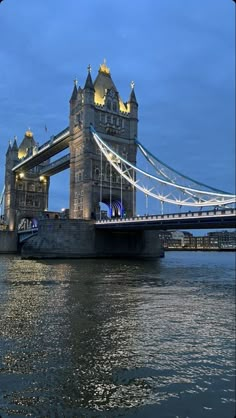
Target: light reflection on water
point(118, 338)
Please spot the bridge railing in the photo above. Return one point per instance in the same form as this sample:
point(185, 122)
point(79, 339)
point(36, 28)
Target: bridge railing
point(224, 212)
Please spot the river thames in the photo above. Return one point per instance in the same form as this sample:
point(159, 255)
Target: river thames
point(118, 338)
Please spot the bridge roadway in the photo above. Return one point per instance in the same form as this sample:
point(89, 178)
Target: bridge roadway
point(212, 219)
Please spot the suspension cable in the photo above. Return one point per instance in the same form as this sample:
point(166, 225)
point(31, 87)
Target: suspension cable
point(199, 196)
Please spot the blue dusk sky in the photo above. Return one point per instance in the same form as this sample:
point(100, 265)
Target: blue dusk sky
point(180, 54)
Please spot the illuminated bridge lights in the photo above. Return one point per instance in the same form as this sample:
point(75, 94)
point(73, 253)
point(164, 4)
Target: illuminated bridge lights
point(166, 184)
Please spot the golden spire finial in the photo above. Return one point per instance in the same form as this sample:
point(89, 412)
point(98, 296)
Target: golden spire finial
point(132, 85)
point(29, 133)
point(104, 68)
point(89, 68)
point(75, 81)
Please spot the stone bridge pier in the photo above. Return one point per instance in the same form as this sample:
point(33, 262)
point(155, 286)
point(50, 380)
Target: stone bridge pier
point(66, 238)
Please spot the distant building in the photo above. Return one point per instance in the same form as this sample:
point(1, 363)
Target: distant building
point(175, 239)
point(165, 238)
point(223, 239)
point(186, 240)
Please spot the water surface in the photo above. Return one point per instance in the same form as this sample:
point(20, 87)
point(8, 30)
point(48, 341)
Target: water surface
point(118, 338)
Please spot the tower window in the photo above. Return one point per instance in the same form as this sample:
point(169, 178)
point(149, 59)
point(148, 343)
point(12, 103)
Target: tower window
point(108, 104)
point(29, 202)
point(97, 173)
point(31, 187)
point(114, 106)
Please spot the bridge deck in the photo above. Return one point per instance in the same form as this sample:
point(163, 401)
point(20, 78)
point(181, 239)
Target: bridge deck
point(56, 166)
point(190, 220)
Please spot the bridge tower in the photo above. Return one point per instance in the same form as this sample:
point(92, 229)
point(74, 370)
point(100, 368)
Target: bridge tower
point(26, 193)
point(92, 179)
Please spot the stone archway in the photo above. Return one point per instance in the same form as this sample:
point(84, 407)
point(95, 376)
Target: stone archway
point(108, 209)
point(26, 222)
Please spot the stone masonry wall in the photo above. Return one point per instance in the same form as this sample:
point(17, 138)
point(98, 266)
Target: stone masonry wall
point(8, 242)
point(73, 238)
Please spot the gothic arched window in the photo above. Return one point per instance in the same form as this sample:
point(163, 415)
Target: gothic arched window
point(96, 173)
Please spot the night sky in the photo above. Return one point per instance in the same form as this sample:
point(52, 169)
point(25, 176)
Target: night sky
point(180, 55)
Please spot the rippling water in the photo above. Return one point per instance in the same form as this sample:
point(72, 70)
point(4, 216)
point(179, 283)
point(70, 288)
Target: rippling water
point(95, 338)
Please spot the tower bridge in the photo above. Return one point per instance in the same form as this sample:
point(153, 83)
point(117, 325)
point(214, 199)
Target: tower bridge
point(103, 151)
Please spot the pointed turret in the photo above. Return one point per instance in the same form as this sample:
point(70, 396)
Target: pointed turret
point(132, 97)
point(27, 145)
point(73, 104)
point(15, 146)
point(74, 92)
point(89, 89)
point(14, 150)
point(104, 85)
point(132, 102)
point(79, 93)
point(9, 148)
point(133, 110)
point(89, 82)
